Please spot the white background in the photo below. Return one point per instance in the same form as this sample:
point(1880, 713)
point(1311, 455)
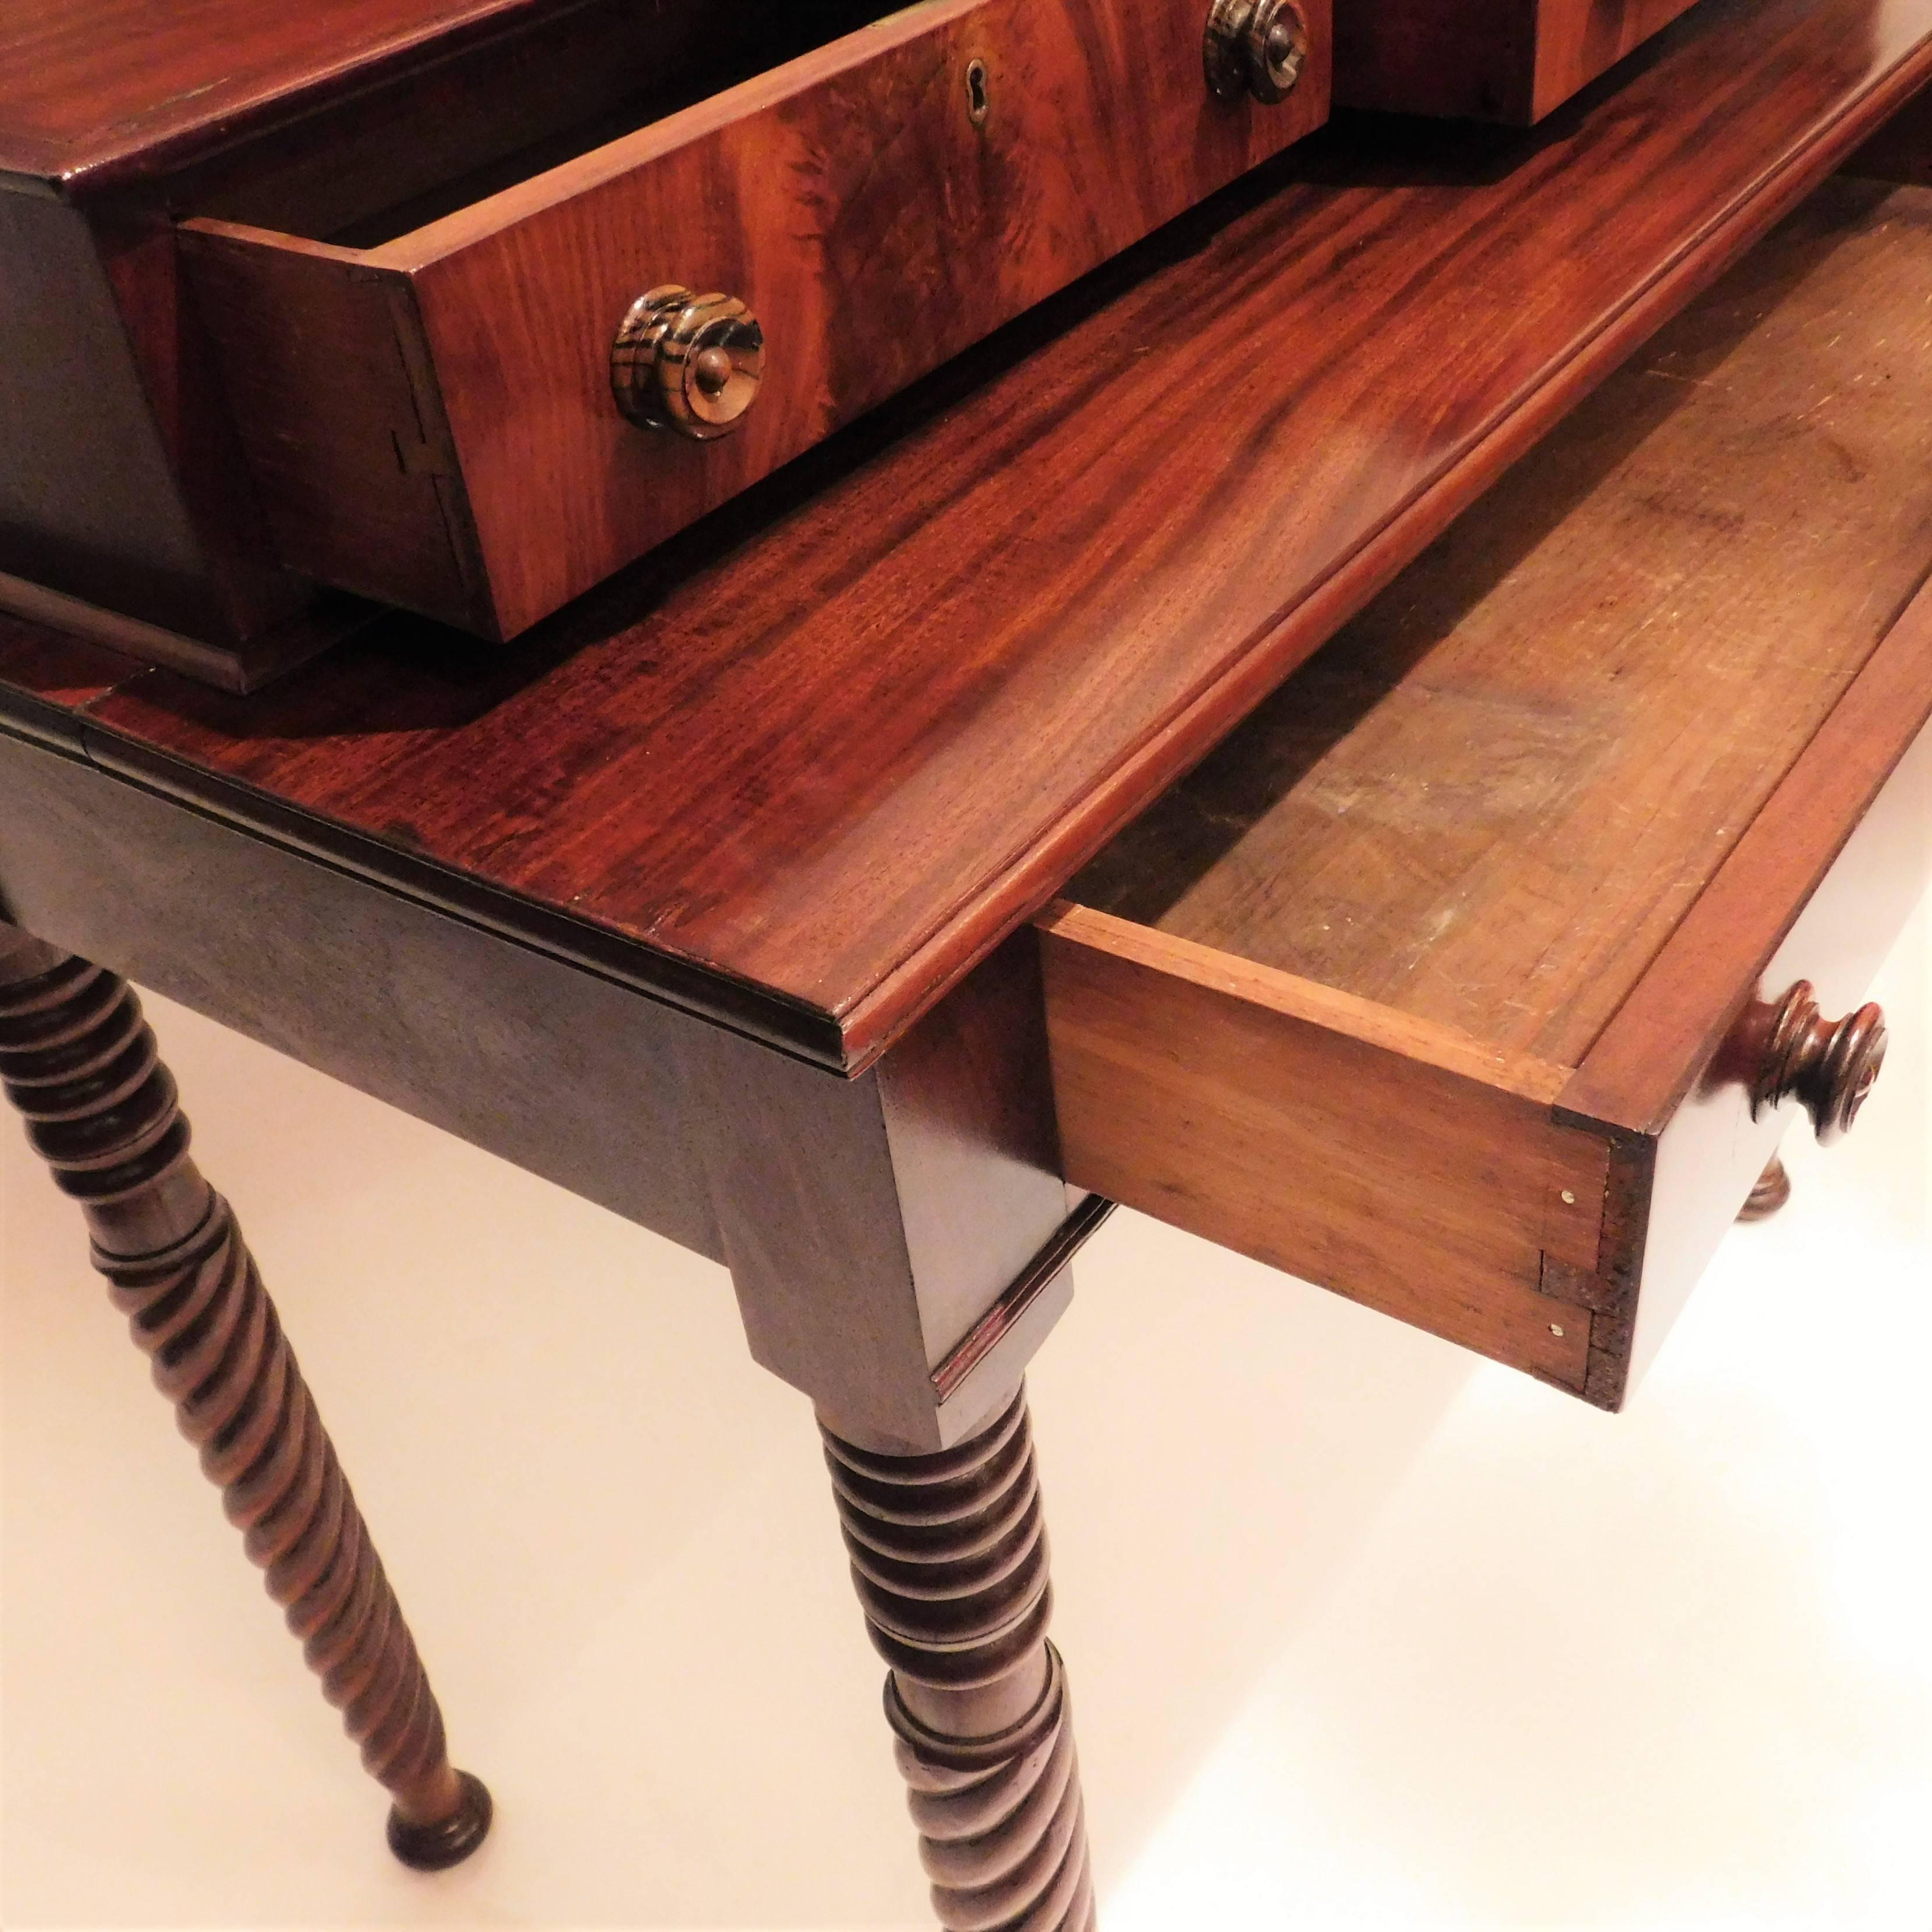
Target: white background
point(1363, 1632)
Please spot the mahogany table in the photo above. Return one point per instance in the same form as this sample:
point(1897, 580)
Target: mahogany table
point(709, 899)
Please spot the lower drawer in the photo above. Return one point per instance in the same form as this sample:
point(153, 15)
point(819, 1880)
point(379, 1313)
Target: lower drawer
point(1456, 980)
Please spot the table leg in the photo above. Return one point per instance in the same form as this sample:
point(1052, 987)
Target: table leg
point(949, 1555)
point(80, 1063)
point(1772, 1191)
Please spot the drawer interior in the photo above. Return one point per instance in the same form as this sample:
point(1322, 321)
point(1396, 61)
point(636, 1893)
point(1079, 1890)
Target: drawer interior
point(461, 125)
point(1466, 833)
point(1488, 801)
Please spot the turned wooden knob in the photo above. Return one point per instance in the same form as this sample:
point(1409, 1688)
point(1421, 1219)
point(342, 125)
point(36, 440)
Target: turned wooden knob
point(688, 363)
point(1256, 47)
point(1790, 1051)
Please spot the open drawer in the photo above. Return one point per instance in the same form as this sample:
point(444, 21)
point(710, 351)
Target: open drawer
point(431, 405)
point(1456, 979)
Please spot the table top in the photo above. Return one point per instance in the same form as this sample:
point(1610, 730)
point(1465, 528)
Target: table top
point(802, 769)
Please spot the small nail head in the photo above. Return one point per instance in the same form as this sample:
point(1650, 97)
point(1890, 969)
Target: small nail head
point(1569, 1199)
point(1555, 1330)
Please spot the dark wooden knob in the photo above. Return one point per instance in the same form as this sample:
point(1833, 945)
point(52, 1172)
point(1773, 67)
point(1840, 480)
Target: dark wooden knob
point(1790, 1051)
point(688, 363)
point(1256, 47)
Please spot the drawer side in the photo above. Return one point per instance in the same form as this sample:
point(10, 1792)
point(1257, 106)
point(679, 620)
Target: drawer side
point(338, 412)
point(1415, 1172)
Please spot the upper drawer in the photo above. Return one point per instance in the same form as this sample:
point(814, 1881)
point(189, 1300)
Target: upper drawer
point(1454, 979)
point(430, 417)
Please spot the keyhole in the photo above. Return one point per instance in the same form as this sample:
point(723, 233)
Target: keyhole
point(978, 105)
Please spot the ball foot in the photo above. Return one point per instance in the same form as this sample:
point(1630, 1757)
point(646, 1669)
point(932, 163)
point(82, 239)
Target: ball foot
point(448, 1841)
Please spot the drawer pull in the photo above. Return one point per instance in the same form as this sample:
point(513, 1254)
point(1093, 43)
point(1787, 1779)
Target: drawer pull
point(1790, 1051)
point(1254, 46)
point(686, 362)
point(1771, 1191)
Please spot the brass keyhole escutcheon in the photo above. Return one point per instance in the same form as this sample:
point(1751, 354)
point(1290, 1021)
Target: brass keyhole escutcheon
point(692, 363)
point(1254, 47)
point(978, 99)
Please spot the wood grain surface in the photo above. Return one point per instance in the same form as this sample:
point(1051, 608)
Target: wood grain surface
point(873, 1227)
point(1403, 1166)
point(813, 761)
point(1559, 795)
point(103, 93)
point(1492, 798)
point(1491, 60)
point(51, 678)
point(88, 502)
point(1428, 1174)
point(1577, 40)
point(850, 198)
point(122, 481)
point(1639, 1065)
point(455, 122)
point(522, 1054)
point(348, 448)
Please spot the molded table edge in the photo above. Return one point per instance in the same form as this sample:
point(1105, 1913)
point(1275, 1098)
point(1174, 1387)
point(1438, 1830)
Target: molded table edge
point(751, 1011)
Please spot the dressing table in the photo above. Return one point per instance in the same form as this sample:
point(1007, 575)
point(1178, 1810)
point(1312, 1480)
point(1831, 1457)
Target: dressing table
point(961, 827)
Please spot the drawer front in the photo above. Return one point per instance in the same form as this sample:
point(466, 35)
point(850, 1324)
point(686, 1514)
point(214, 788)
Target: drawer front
point(877, 206)
point(1713, 1150)
point(1491, 60)
point(1817, 890)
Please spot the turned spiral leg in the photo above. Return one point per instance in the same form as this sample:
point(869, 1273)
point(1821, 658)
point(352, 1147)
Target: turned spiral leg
point(80, 1063)
point(949, 1553)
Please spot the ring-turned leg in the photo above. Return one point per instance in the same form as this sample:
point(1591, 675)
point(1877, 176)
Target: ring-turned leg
point(1772, 1191)
point(948, 1552)
point(80, 1063)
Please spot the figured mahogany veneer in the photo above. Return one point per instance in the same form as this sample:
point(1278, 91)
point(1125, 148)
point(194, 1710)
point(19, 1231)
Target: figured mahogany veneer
point(1456, 979)
point(430, 419)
